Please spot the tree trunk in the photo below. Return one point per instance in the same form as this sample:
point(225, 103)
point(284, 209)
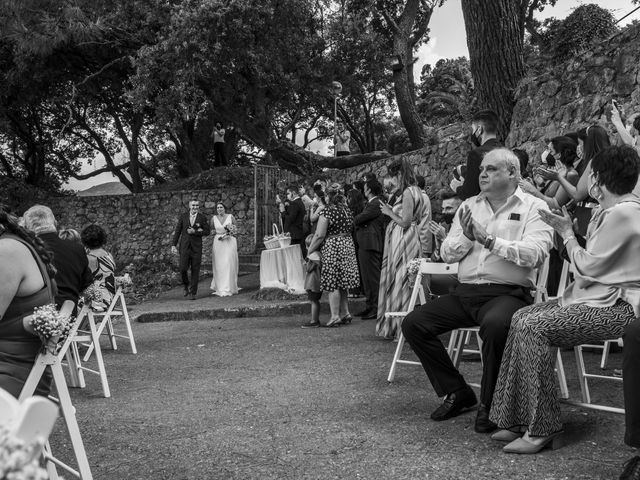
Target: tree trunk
point(495, 40)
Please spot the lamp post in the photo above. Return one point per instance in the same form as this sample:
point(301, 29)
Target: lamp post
point(336, 89)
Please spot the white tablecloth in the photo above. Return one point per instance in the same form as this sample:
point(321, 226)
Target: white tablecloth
point(282, 268)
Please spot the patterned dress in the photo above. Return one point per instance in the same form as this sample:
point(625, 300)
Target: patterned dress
point(400, 246)
point(597, 306)
point(339, 266)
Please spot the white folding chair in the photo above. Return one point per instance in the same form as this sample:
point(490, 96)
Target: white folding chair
point(105, 318)
point(87, 332)
point(48, 359)
point(426, 268)
point(30, 421)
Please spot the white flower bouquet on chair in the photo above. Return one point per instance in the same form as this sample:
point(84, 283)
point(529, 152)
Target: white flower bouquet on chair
point(51, 326)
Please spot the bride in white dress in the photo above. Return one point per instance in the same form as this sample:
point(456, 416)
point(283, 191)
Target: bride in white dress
point(225, 255)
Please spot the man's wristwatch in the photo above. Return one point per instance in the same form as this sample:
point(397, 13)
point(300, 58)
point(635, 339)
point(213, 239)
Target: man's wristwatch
point(488, 241)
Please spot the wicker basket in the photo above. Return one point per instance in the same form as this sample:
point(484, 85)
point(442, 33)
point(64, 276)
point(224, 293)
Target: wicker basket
point(274, 241)
point(284, 241)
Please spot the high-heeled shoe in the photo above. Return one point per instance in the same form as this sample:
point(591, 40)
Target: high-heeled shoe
point(346, 319)
point(522, 446)
point(333, 322)
point(507, 436)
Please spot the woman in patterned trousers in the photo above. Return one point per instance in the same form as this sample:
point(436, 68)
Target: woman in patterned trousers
point(598, 305)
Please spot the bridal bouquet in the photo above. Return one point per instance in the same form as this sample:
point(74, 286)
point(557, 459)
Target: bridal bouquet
point(230, 231)
point(51, 326)
point(19, 461)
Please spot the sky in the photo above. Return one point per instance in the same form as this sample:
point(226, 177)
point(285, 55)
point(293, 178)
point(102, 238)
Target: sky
point(447, 40)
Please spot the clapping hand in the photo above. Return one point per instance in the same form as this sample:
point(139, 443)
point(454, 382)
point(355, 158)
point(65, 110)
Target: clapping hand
point(479, 232)
point(466, 222)
point(559, 220)
point(527, 187)
point(437, 230)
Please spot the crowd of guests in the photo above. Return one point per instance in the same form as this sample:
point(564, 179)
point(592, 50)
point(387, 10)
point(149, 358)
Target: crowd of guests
point(500, 222)
point(41, 266)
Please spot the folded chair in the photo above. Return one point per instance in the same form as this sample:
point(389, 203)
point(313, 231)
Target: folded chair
point(426, 268)
point(117, 308)
point(48, 359)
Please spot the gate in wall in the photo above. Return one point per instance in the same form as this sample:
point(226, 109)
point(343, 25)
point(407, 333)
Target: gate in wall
point(267, 182)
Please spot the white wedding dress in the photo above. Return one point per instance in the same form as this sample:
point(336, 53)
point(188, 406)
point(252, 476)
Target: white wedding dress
point(224, 260)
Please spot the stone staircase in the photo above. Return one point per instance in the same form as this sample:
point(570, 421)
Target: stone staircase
point(249, 263)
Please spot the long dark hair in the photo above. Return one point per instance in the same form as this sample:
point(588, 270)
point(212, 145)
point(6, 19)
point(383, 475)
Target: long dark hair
point(9, 223)
point(406, 172)
point(566, 148)
point(595, 140)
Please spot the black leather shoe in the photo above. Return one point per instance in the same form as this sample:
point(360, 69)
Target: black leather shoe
point(454, 404)
point(192, 297)
point(186, 292)
point(631, 469)
point(483, 424)
point(363, 313)
point(370, 316)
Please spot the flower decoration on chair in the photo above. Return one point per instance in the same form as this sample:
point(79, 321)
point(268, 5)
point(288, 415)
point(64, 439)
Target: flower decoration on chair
point(230, 231)
point(92, 296)
point(123, 281)
point(18, 460)
point(413, 267)
point(52, 327)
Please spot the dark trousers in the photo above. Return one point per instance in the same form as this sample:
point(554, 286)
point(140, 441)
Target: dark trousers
point(303, 246)
point(190, 259)
point(219, 157)
point(631, 384)
point(370, 264)
point(489, 306)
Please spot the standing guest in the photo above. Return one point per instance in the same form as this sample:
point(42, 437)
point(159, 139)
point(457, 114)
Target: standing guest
point(339, 270)
point(499, 239)
point(69, 258)
point(402, 244)
point(597, 306)
point(190, 229)
point(631, 386)
point(224, 257)
point(101, 265)
point(312, 284)
point(308, 203)
point(426, 241)
point(26, 282)
point(484, 130)
point(220, 158)
point(341, 141)
point(355, 203)
point(293, 218)
point(369, 226)
point(319, 204)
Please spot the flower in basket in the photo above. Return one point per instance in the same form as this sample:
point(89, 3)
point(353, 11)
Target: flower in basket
point(413, 267)
point(51, 326)
point(18, 460)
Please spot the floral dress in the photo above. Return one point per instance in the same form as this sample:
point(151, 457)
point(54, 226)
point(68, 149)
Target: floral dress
point(339, 265)
point(102, 268)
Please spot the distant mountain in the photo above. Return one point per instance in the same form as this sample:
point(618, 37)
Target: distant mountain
point(109, 188)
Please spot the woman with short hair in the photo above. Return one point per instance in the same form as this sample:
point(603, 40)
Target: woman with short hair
point(101, 264)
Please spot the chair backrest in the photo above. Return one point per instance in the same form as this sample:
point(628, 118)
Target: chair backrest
point(564, 277)
point(29, 421)
point(541, 294)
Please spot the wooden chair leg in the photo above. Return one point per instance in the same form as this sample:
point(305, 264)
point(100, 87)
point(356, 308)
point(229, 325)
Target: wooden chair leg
point(95, 340)
point(127, 322)
point(396, 357)
point(584, 386)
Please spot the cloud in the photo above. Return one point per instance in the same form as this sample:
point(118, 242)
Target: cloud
point(426, 56)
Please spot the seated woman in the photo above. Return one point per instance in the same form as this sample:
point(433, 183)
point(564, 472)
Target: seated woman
point(598, 305)
point(25, 283)
point(101, 264)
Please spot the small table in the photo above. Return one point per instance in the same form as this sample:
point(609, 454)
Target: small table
point(282, 268)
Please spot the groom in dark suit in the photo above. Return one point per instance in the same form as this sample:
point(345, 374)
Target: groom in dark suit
point(189, 231)
point(370, 236)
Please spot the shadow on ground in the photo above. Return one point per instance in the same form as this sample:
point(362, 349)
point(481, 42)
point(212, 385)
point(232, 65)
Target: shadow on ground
point(261, 398)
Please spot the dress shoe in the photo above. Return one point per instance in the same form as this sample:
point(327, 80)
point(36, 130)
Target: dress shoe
point(483, 424)
point(631, 469)
point(363, 313)
point(192, 297)
point(506, 436)
point(454, 404)
point(370, 316)
point(523, 446)
point(186, 292)
point(311, 325)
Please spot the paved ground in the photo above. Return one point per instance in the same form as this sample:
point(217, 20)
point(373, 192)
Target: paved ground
point(261, 398)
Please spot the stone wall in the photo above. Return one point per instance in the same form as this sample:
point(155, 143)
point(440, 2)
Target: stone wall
point(140, 226)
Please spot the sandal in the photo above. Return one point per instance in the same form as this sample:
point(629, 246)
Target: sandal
point(346, 319)
point(334, 323)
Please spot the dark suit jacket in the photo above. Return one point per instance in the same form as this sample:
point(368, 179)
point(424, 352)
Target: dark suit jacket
point(193, 241)
point(370, 226)
point(293, 219)
point(70, 259)
point(471, 185)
